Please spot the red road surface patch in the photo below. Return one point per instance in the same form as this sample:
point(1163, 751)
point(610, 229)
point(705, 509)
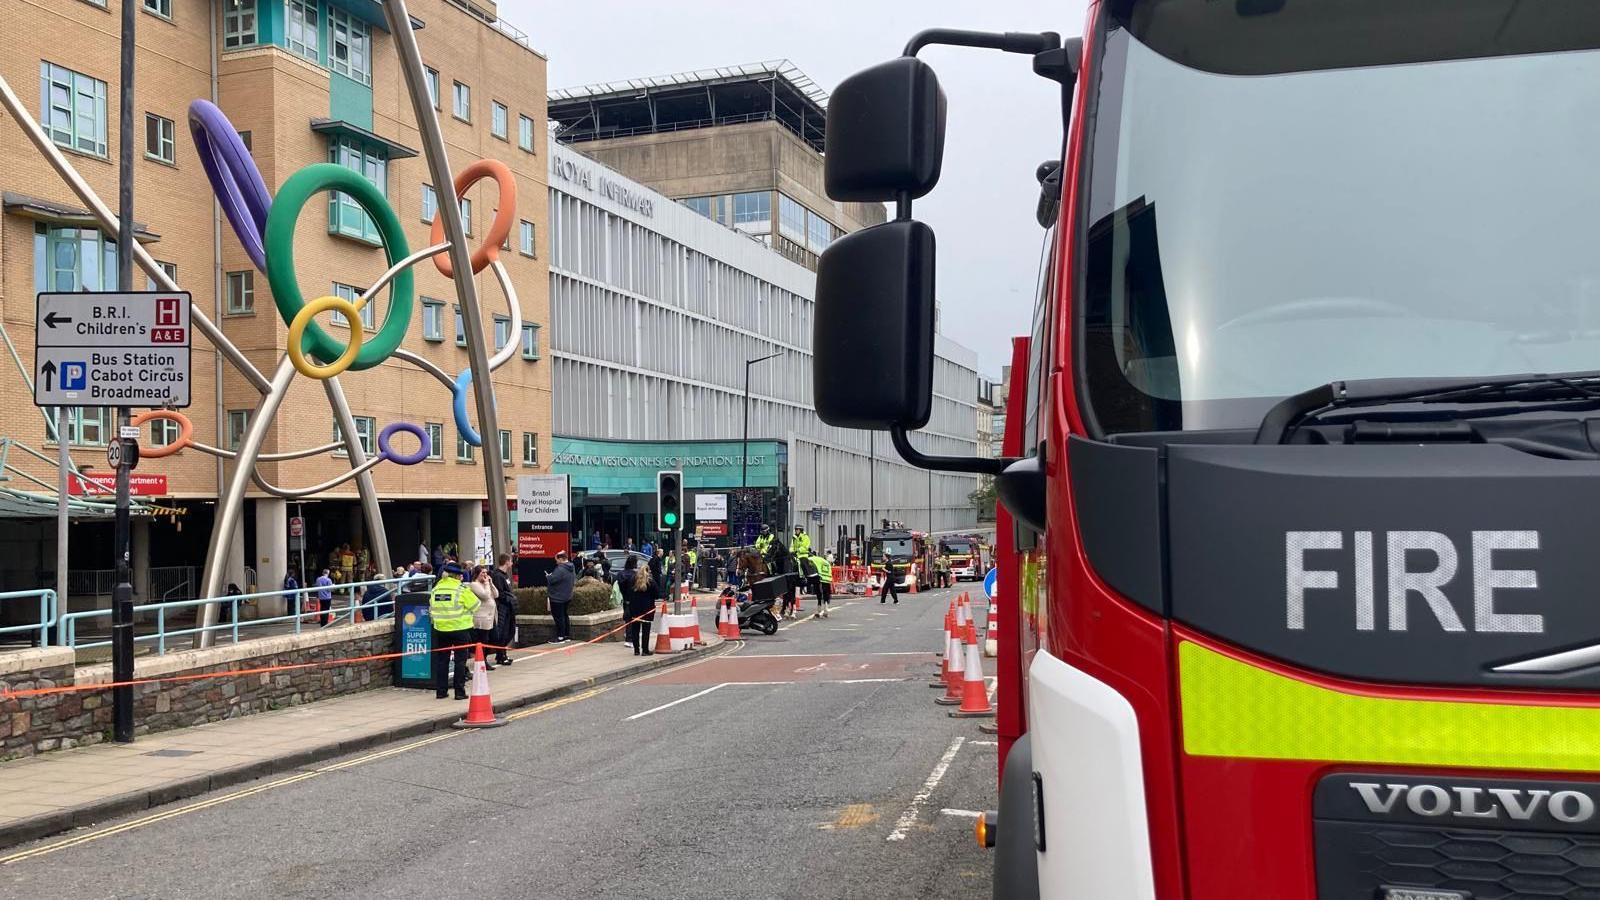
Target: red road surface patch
point(776, 669)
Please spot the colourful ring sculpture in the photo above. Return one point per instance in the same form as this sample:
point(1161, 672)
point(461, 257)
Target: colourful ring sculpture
point(305, 319)
point(286, 288)
point(185, 432)
point(463, 422)
point(504, 216)
point(233, 175)
point(405, 459)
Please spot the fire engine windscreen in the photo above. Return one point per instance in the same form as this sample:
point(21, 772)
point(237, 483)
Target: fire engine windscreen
point(1288, 193)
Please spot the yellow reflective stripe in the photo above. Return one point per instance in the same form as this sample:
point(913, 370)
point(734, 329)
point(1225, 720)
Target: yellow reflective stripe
point(1234, 709)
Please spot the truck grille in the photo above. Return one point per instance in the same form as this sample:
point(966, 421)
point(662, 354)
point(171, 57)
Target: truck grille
point(1489, 865)
point(1368, 837)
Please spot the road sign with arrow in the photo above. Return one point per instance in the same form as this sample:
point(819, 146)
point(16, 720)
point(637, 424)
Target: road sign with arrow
point(112, 349)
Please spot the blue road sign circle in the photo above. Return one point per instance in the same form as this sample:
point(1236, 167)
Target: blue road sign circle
point(989, 583)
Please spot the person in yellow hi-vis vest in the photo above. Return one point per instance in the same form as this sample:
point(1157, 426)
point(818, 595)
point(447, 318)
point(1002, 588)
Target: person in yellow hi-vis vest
point(764, 541)
point(450, 605)
point(800, 546)
point(823, 583)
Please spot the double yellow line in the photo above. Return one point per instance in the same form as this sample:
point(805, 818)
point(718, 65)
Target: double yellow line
point(197, 806)
point(154, 818)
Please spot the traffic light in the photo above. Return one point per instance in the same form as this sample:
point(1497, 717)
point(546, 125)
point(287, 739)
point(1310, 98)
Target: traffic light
point(669, 500)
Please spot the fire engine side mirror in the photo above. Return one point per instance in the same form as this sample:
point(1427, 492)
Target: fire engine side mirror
point(873, 333)
point(885, 138)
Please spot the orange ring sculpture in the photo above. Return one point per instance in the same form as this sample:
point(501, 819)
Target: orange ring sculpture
point(499, 229)
point(185, 432)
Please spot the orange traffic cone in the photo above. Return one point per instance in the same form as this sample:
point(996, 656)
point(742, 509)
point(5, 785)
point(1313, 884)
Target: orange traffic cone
point(974, 699)
point(663, 640)
point(723, 608)
point(694, 612)
point(480, 709)
point(941, 676)
point(953, 661)
point(991, 631)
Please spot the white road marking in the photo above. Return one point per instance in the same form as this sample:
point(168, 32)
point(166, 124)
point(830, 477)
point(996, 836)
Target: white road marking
point(828, 655)
point(865, 681)
point(675, 702)
point(963, 813)
point(984, 743)
point(909, 817)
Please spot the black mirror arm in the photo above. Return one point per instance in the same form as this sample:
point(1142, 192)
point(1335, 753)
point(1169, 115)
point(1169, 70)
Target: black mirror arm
point(1009, 42)
point(974, 464)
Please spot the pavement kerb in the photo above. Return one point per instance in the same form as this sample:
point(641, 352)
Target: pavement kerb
point(33, 828)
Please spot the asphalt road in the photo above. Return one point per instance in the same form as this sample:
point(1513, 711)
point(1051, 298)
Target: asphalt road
point(808, 764)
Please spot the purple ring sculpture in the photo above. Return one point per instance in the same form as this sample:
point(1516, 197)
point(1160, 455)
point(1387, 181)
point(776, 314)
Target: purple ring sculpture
point(233, 175)
point(411, 459)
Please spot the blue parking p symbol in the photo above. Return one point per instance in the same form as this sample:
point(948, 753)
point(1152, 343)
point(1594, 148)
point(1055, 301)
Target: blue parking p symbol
point(74, 376)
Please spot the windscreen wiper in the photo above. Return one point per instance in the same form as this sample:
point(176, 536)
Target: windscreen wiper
point(1291, 412)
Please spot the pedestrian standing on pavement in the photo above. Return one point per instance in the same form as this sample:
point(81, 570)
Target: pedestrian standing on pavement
point(505, 601)
point(890, 586)
point(822, 583)
point(638, 604)
point(451, 604)
point(658, 575)
point(347, 563)
point(485, 616)
point(558, 586)
point(648, 548)
point(324, 602)
point(291, 594)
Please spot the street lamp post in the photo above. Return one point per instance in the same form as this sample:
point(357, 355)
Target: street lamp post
point(744, 451)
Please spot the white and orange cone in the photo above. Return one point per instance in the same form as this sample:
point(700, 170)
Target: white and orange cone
point(942, 675)
point(480, 709)
point(974, 698)
point(694, 613)
point(729, 619)
point(953, 665)
point(659, 629)
point(991, 631)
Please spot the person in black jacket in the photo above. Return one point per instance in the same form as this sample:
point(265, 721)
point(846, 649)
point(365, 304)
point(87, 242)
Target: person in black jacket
point(506, 600)
point(658, 578)
point(559, 583)
point(638, 604)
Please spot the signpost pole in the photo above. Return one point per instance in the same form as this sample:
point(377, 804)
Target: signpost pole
point(122, 593)
point(63, 467)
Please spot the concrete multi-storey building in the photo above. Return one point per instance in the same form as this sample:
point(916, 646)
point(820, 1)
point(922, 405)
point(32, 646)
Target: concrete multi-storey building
point(655, 311)
point(740, 145)
point(305, 81)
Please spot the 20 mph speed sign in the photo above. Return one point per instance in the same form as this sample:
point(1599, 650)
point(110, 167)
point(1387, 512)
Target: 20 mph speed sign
point(112, 349)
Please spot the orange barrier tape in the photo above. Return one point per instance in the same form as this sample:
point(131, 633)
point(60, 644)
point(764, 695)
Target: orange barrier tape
point(8, 694)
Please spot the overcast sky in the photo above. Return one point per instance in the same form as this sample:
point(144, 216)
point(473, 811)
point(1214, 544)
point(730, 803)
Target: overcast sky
point(1003, 119)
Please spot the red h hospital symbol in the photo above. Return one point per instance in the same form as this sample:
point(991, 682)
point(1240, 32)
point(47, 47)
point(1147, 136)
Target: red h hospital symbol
point(167, 311)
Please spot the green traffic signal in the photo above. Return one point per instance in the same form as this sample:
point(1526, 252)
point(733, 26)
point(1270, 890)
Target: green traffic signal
point(671, 518)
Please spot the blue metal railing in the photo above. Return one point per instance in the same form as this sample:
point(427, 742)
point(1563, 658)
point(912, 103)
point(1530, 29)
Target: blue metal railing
point(47, 613)
point(299, 599)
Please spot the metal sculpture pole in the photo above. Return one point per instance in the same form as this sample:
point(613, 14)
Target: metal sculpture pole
point(461, 268)
point(108, 223)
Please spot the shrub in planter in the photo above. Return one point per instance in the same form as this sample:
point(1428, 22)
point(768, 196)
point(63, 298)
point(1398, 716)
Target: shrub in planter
point(591, 595)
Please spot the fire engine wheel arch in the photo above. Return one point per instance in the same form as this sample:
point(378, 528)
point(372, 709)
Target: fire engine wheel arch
point(1016, 865)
